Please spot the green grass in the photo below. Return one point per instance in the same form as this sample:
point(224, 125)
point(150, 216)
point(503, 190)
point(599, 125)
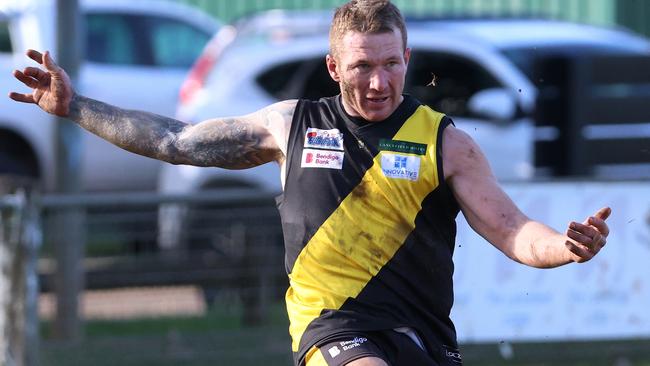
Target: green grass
point(212, 321)
point(219, 338)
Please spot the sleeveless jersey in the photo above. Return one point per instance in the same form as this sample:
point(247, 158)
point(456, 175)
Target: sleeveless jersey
point(369, 225)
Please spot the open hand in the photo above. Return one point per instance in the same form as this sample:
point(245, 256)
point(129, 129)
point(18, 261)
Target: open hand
point(589, 237)
point(52, 89)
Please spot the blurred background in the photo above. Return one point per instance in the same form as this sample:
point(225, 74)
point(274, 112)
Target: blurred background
point(111, 258)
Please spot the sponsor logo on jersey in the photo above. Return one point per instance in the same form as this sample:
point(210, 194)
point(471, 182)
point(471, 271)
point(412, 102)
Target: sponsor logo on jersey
point(353, 343)
point(334, 351)
point(453, 354)
point(322, 159)
point(400, 166)
point(324, 139)
point(406, 147)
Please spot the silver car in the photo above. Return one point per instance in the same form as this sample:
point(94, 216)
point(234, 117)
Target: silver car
point(478, 71)
point(137, 56)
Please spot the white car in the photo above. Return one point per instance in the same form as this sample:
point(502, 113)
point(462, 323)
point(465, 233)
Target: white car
point(137, 55)
point(478, 71)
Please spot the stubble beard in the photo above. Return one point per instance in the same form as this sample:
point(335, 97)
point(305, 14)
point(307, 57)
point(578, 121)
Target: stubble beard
point(347, 93)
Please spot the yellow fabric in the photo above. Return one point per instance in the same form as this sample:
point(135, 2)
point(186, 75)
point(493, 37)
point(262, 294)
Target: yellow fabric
point(315, 358)
point(363, 233)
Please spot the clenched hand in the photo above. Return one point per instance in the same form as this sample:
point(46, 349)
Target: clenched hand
point(51, 88)
point(589, 237)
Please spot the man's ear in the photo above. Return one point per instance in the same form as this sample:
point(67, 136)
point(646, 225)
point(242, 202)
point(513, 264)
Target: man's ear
point(407, 56)
point(331, 67)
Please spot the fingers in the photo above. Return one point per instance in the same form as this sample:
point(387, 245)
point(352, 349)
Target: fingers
point(598, 220)
point(35, 55)
point(24, 98)
point(49, 64)
point(589, 237)
point(599, 224)
point(35, 72)
point(44, 59)
point(603, 213)
point(582, 253)
point(30, 76)
point(586, 236)
point(27, 80)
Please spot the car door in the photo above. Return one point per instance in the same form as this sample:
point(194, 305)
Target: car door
point(448, 81)
point(135, 61)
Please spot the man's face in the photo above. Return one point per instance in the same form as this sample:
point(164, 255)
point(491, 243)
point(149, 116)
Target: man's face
point(370, 69)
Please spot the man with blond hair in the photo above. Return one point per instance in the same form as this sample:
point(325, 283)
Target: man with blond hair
point(373, 181)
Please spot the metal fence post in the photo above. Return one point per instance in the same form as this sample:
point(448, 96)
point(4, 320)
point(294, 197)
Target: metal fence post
point(19, 241)
point(69, 229)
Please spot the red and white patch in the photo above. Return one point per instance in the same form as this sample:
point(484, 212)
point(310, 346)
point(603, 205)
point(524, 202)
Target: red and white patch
point(322, 159)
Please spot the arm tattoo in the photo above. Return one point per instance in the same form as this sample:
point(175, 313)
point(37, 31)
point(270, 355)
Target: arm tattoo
point(234, 143)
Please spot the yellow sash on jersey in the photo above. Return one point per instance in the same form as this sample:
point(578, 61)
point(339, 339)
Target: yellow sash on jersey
point(364, 232)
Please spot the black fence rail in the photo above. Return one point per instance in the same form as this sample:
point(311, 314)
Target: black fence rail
point(597, 110)
point(228, 241)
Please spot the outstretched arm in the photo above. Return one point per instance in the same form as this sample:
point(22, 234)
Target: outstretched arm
point(492, 214)
point(234, 143)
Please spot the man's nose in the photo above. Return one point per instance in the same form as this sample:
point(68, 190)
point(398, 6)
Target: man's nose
point(378, 80)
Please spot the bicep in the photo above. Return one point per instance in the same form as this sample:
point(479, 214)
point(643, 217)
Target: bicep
point(487, 208)
point(237, 142)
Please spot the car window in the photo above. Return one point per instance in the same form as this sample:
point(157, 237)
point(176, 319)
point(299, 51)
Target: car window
point(126, 39)
point(306, 79)
point(5, 40)
point(112, 39)
point(175, 44)
point(456, 80)
point(276, 79)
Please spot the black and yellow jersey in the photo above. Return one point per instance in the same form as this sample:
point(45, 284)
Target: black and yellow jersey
point(369, 225)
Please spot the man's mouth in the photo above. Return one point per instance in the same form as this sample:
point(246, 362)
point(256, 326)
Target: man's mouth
point(377, 100)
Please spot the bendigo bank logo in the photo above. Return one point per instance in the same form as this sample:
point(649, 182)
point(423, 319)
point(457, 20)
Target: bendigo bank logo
point(329, 159)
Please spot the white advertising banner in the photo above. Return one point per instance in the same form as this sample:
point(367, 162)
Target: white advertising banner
point(605, 298)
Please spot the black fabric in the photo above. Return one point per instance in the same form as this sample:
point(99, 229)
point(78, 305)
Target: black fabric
point(395, 297)
point(414, 289)
point(312, 195)
point(345, 349)
point(394, 348)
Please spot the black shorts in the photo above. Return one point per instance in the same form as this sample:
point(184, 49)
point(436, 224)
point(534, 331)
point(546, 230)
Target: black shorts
point(396, 349)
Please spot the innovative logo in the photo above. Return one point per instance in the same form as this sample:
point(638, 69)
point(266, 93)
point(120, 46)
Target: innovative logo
point(324, 139)
point(322, 159)
point(400, 166)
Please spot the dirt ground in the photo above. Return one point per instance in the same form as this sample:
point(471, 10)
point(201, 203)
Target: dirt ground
point(129, 303)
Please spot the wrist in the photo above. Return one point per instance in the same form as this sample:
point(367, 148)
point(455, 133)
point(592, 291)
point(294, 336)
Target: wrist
point(73, 109)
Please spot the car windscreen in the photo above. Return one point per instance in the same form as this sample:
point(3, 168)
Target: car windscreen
point(526, 58)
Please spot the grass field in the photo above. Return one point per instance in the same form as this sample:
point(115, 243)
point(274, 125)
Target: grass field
point(218, 338)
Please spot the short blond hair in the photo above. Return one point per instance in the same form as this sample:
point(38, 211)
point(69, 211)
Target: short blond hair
point(365, 16)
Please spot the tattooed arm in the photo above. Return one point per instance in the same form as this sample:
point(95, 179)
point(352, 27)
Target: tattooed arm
point(234, 143)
